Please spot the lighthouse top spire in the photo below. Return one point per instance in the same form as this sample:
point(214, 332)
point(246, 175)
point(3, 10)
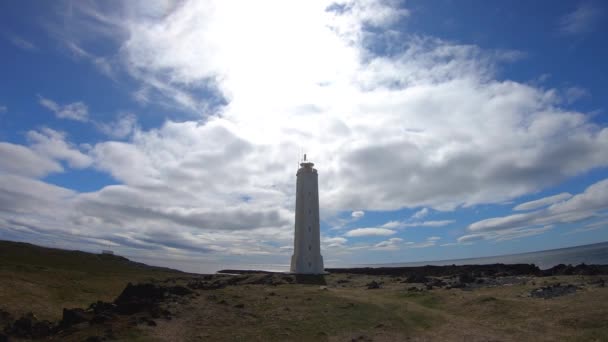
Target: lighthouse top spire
point(307, 165)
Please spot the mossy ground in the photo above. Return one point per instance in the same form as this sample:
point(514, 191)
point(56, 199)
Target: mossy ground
point(342, 309)
point(45, 280)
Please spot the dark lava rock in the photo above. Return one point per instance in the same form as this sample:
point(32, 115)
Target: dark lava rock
point(75, 316)
point(373, 285)
point(446, 271)
point(239, 306)
point(102, 307)
point(417, 278)
point(435, 282)
point(140, 297)
point(101, 318)
point(582, 269)
point(28, 326)
point(94, 339)
point(6, 320)
point(466, 278)
point(145, 297)
point(42, 329)
point(552, 291)
point(179, 290)
point(343, 281)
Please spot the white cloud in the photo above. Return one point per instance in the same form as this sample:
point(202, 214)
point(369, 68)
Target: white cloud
point(20, 42)
point(590, 227)
point(334, 242)
point(358, 214)
point(539, 203)
point(390, 244)
point(588, 204)
point(359, 232)
point(51, 143)
point(429, 125)
point(505, 234)
point(74, 111)
point(122, 127)
point(367, 110)
point(581, 20)
point(20, 160)
point(420, 213)
point(574, 94)
point(436, 223)
point(430, 242)
point(404, 224)
point(397, 243)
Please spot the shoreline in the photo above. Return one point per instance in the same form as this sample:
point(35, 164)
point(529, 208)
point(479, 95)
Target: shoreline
point(485, 270)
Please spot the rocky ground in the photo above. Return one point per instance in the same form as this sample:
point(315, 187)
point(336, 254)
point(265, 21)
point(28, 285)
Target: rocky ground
point(448, 303)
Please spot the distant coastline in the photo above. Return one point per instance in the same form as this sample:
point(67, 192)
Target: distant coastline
point(596, 253)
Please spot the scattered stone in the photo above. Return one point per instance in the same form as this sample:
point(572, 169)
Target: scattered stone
point(212, 297)
point(179, 290)
point(99, 307)
point(379, 326)
point(373, 285)
point(145, 297)
point(272, 294)
point(101, 318)
point(466, 278)
point(417, 278)
point(6, 320)
point(74, 316)
point(223, 301)
point(581, 269)
point(239, 306)
point(28, 326)
point(553, 291)
point(94, 339)
point(599, 282)
point(343, 281)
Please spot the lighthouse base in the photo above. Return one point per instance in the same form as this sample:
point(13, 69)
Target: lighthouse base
point(307, 264)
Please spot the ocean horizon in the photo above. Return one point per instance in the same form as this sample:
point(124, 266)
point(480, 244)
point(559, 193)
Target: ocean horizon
point(596, 253)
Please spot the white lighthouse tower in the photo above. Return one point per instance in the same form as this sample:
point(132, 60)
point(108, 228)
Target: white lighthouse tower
point(307, 257)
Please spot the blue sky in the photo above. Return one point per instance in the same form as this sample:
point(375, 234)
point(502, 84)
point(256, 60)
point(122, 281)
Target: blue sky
point(170, 131)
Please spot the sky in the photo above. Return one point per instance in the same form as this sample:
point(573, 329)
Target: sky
point(170, 131)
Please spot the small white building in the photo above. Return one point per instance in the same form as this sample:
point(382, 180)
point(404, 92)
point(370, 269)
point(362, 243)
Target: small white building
point(307, 257)
point(107, 252)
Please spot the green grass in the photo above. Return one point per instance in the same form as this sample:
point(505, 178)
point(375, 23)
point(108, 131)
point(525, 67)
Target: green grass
point(426, 299)
point(45, 280)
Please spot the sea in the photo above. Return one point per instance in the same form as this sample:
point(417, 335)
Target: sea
point(596, 253)
point(589, 254)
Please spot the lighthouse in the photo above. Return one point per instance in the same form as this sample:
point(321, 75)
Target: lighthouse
point(307, 257)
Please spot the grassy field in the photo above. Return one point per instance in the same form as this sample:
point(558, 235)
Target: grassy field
point(45, 280)
point(342, 311)
point(340, 308)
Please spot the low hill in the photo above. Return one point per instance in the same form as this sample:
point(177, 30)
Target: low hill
point(45, 280)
